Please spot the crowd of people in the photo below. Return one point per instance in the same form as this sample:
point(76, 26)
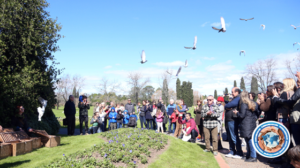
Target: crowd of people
point(240, 115)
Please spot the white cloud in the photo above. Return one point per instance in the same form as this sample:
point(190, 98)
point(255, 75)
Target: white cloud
point(204, 24)
point(221, 67)
point(117, 64)
point(169, 64)
point(209, 58)
point(198, 62)
point(107, 67)
point(218, 24)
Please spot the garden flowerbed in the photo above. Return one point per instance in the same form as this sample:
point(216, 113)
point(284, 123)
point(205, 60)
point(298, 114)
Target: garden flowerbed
point(126, 147)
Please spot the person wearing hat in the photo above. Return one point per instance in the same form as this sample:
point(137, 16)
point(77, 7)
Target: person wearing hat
point(84, 106)
point(221, 104)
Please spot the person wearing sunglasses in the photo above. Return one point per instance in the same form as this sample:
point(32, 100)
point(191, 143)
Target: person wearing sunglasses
point(210, 112)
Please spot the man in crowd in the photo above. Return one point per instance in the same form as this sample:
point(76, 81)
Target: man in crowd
point(232, 124)
point(84, 106)
point(210, 113)
point(170, 109)
point(129, 107)
point(70, 112)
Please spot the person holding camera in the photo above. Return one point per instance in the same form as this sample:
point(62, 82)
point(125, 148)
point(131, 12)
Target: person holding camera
point(70, 112)
point(84, 106)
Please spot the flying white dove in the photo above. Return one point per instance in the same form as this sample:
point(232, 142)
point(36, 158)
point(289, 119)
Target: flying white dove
point(143, 56)
point(40, 110)
point(223, 29)
point(295, 44)
point(295, 27)
point(186, 64)
point(178, 71)
point(242, 51)
point(247, 19)
point(194, 47)
point(263, 26)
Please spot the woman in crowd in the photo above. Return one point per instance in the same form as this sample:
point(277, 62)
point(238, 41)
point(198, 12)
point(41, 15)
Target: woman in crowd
point(247, 114)
point(102, 115)
point(179, 114)
point(191, 127)
point(148, 116)
point(19, 122)
point(143, 114)
point(252, 96)
point(287, 92)
point(198, 119)
point(268, 105)
point(153, 114)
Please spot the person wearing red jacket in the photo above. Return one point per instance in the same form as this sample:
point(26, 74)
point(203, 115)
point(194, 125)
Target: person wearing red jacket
point(174, 119)
point(190, 122)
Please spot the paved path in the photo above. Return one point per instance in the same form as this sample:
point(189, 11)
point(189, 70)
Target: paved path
point(64, 131)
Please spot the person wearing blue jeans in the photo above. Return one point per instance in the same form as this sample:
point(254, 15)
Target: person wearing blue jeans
point(232, 125)
point(250, 149)
point(174, 127)
point(171, 107)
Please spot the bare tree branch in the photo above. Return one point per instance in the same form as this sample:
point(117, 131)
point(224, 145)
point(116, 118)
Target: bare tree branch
point(292, 66)
point(108, 88)
point(135, 81)
point(263, 71)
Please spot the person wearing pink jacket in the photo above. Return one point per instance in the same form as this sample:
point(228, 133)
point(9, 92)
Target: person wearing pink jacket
point(159, 120)
point(190, 122)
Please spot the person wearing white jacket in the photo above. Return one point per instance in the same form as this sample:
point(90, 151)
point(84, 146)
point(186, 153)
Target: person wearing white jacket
point(102, 115)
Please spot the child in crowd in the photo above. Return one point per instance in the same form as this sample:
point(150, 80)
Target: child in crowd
point(102, 115)
point(119, 119)
point(113, 119)
point(132, 120)
point(126, 119)
point(95, 122)
point(174, 118)
point(159, 120)
point(133, 115)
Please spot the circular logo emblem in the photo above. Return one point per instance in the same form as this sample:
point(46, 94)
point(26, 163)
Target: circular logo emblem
point(271, 139)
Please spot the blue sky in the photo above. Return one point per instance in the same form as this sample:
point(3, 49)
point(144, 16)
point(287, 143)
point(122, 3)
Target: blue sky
point(105, 38)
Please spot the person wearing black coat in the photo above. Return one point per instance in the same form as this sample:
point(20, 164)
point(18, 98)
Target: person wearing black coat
point(247, 116)
point(119, 119)
point(149, 119)
point(19, 122)
point(70, 112)
point(84, 106)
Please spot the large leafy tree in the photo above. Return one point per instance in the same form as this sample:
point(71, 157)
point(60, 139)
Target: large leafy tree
point(28, 39)
point(147, 92)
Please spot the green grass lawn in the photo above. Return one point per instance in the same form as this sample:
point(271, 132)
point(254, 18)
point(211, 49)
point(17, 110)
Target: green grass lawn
point(60, 114)
point(179, 154)
point(185, 154)
point(44, 155)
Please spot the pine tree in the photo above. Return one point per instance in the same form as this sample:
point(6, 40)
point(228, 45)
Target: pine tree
point(242, 84)
point(74, 92)
point(165, 91)
point(216, 94)
point(178, 89)
point(234, 84)
point(254, 85)
point(190, 99)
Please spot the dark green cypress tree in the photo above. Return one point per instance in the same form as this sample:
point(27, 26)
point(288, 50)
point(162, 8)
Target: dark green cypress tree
point(234, 84)
point(226, 97)
point(165, 91)
point(184, 91)
point(74, 92)
point(216, 94)
point(254, 85)
point(178, 89)
point(242, 84)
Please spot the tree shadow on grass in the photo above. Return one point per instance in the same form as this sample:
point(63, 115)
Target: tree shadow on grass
point(13, 164)
point(201, 146)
